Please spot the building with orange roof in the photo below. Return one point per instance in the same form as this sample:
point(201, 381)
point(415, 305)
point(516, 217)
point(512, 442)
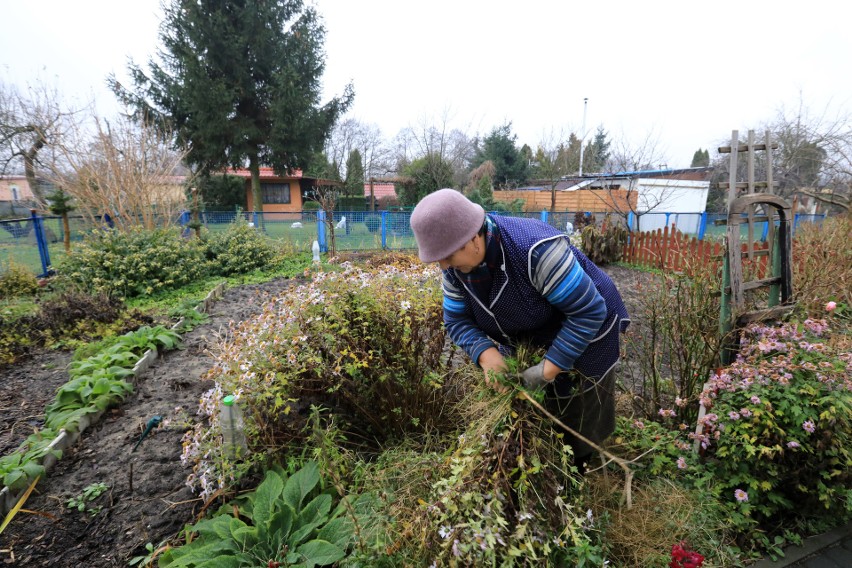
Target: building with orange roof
point(281, 193)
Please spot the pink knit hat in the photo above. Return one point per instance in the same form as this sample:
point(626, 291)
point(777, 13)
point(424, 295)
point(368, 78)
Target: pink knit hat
point(443, 222)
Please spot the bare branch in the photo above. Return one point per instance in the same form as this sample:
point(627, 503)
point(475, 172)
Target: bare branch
point(125, 169)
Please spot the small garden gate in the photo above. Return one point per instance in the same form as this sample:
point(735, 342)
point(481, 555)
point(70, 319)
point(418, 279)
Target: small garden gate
point(744, 201)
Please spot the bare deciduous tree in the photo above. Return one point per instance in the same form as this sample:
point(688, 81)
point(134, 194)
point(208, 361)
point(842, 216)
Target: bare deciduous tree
point(434, 138)
point(32, 123)
point(123, 169)
point(627, 157)
point(552, 163)
point(351, 134)
point(815, 155)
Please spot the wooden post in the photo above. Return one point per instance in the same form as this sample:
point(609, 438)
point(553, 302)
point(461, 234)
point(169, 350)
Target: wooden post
point(775, 265)
point(725, 323)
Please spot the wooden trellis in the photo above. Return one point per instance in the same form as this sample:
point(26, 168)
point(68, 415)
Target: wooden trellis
point(744, 202)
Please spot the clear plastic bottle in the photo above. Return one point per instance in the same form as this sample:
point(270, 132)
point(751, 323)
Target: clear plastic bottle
point(315, 248)
point(233, 431)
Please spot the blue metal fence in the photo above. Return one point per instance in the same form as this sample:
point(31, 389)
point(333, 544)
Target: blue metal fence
point(35, 240)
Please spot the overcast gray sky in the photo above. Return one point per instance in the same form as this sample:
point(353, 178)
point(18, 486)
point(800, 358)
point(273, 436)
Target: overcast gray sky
point(684, 73)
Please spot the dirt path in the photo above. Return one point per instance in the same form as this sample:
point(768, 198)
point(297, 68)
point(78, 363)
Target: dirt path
point(152, 505)
point(159, 503)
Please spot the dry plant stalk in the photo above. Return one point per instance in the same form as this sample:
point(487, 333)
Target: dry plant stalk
point(623, 464)
point(125, 169)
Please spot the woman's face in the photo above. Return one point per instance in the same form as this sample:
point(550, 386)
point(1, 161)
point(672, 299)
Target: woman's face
point(466, 258)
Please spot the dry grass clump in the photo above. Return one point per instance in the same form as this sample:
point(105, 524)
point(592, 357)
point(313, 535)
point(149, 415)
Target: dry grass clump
point(822, 264)
point(498, 490)
point(664, 513)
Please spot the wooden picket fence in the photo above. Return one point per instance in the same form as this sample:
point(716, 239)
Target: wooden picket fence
point(671, 250)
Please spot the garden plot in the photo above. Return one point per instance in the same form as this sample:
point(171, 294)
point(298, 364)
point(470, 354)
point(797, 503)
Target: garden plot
point(145, 499)
point(124, 511)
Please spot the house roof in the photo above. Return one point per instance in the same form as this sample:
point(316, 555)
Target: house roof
point(380, 189)
point(265, 173)
point(569, 183)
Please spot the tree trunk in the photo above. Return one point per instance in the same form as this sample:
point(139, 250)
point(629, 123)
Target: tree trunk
point(66, 229)
point(29, 171)
point(256, 196)
point(372, 197)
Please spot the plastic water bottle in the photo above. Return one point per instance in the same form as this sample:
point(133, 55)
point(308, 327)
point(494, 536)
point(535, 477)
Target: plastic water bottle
point(316, 250)
point(233, 431)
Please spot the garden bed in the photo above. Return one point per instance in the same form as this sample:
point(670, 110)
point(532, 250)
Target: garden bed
point(146, 499)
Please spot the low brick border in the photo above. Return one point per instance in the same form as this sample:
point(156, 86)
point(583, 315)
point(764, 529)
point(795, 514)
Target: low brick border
point(66, 439)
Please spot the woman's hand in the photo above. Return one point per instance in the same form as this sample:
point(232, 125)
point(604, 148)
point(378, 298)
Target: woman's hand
point(538, 376)
point(491, 362)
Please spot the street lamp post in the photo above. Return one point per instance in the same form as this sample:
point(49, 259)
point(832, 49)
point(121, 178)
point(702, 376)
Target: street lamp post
point(583, 133)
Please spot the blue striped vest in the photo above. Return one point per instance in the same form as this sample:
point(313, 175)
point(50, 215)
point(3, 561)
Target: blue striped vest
point(536, 320)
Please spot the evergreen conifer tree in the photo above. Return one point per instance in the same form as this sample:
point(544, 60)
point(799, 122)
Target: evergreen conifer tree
point(239, 82)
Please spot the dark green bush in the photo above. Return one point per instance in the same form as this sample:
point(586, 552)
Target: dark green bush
point(373, 222)
point(137, 262)
point(238, 250)
point(355, 203)
point(604, 246)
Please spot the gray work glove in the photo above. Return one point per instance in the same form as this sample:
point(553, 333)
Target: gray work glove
point(534, 377)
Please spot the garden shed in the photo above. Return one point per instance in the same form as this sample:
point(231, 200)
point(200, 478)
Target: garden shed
point(281, 194)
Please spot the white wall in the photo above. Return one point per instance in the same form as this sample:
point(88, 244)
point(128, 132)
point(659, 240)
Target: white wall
point(685, 199)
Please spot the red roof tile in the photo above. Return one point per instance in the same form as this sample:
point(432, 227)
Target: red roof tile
point(380, 190)
point(265, 172)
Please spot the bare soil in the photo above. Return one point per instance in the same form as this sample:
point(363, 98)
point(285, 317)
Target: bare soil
point(147, 500)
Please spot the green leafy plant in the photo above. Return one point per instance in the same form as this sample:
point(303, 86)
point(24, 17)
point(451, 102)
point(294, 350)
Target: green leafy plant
point(147, 560)
point(137, 262)
point(145, 338)
point(98, 381)
point(780, 427)
point(238, 249)
point(18, 468)
point(82, 501)
point(16, 280)
point(287, 521)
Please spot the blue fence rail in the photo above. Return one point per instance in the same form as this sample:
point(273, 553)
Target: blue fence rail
point(37, 240)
